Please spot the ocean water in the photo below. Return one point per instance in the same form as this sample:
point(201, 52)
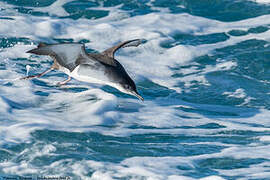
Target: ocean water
point(204, 72)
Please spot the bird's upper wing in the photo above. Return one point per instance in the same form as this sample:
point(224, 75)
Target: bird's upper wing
point(69, 55)
point(135, 42)
point(66, 54)
point(101, 58)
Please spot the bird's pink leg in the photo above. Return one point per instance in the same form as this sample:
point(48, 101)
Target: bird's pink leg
point(38, 75)
point(64, 82)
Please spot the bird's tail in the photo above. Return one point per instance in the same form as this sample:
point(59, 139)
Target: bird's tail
point(42, 49)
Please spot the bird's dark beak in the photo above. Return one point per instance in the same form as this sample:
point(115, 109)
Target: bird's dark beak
point(138, 96)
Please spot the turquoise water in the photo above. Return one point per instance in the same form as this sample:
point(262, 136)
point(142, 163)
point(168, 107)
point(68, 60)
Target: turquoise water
point(204, 73)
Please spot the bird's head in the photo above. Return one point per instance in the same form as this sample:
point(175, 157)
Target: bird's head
point(129, 87)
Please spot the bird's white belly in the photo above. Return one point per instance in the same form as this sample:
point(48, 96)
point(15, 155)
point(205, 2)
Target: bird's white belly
point(88, 79)
point(93, 76)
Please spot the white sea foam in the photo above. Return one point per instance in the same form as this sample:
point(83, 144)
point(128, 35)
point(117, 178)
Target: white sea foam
point(239, 93)
point(262, 1)
point(55, 8)
point(136, 168)
point(17, 51)
point(264, 138)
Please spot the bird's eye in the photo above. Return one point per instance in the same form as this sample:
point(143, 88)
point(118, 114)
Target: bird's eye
point(126, 86)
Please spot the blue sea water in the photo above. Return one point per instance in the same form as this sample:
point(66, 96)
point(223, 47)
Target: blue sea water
point(204, 73)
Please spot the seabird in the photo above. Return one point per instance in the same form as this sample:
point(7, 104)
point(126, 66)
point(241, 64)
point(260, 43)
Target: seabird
point(100, 68)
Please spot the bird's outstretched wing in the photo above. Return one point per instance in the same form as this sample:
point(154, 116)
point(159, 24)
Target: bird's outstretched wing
point(66, 54)
point(102, 58)
point(69, 55)
point(111, 51)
